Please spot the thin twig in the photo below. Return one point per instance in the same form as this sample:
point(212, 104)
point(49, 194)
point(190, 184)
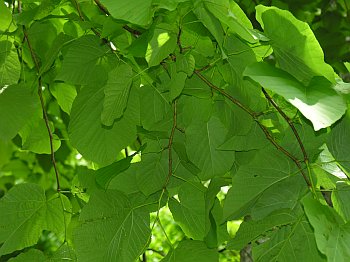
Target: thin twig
point(42, 102)
point(255, 117)
point(170, 146)
point(289, 121)
point(179, 40)
point(134, 32)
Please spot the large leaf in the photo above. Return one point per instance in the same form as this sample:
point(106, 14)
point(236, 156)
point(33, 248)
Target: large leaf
point(268, 168)
point(116, 92)
point(341, 200)
point(252, 229)
point(10, 68)
point(192, 251)
point(332, 234)
point(294, 44)
point(82, 62)
point(203, 140)
point(93, 140)
point(120, 231)
point(290, 243)
point(64, 94)
point(190, 211)
point(26, 212)
point(18, 104)
point(339, 137)
point(136, 11)
point(318, 102)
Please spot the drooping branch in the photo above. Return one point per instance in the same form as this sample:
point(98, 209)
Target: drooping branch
point(42, 103)
point(104, 10)
point(290, 123)
point(254, 115)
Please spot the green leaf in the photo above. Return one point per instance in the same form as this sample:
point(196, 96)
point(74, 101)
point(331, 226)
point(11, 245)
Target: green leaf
point(6, 19)
point(290, 243)
point(190, 211)
point(35, 137)
point(120, 230)
point(332, 234)
point(185, 63)
point(64, 253)
point(116, 92)
point(152, 172)
point(341, 200)
point(137, 12)
point(318, 102)
point(26, 212)
point(177, 84)
point(64, 94)
point(226, 11)
point(294, 44)
point(93, 140)
point(82, 62)
point(340, 136)
point(162, 42)
point(105, 175)
point(18, 105)
point(202, 142)
point(192, 251)
point(252, 229)
point(10, 68)
point(268, 168)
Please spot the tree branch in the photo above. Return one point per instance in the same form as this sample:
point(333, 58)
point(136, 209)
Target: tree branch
point(134, 32)
point(255, 117)
point(42, 103)
point(289, 121)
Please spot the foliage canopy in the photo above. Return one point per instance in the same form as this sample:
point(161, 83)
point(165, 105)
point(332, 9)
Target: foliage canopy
point(140, 130)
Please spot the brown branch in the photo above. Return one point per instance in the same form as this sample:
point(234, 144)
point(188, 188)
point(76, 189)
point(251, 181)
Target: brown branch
point(45, 116)
point(179, 40)
point(104, 10)
point(170, 146)
point(290, 123)
point(255, 117)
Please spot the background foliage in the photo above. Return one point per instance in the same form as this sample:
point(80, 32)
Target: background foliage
point(185, 130)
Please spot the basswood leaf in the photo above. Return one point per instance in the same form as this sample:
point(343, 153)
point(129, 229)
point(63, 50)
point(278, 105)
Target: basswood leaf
point(177, 84)
point(202, 142)
point(341, 200)
point(252, 229)
point(137, 11)
point(226, 11)
point(10, 67)
point(290, 243)
point(35, 137)
point(192, 251)
point(18, 105)
point(6, 19)
point(116, 92)
point(331, 232)
point(26, 212)
point(64, 94)
point(152, 172)
point(318, 102)
point(297, 51)
point(268, 168)
point(340, 136)
point(185, 63)
point(82, 62)
point(93, 140)
point(190, 211)
point(120, 231)
point(161, 43)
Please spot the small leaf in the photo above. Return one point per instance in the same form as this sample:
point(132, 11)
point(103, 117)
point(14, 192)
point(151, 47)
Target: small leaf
point(10, 67)
point(177, 84)
point(185, 63)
